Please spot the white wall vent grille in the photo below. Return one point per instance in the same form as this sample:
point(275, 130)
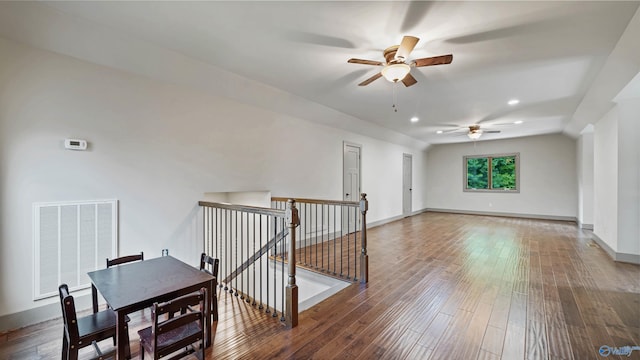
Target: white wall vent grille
point(71, 239)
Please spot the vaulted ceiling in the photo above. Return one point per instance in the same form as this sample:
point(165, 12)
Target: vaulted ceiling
point(545, 54)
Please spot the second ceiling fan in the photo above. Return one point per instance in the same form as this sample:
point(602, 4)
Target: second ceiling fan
point(472, 131)
point(475, 132)
point(396, 67)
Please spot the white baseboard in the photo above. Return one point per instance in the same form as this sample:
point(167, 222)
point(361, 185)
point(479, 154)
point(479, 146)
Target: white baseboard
point(37, 315)
point(616, 256)
point(394, 218)
point(585, 226)
point(503, 214)
point(384, 221)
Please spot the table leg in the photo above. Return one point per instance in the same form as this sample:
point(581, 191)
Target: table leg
point(122, 335)
point(94, 298)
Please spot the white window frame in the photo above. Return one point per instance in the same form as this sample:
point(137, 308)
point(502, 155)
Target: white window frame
point(508, 191)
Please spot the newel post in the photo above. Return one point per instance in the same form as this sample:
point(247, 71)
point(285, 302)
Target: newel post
point(291, 316)
point(364, 258)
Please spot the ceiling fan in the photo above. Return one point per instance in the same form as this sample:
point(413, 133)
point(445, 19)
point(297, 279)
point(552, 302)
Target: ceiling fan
point(396, 67)
point(473, 133)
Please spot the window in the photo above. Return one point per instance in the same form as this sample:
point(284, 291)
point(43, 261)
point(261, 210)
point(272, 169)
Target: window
point(499, 173)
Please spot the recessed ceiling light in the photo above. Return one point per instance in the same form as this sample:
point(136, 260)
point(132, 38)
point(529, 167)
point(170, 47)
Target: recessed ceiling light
point(439, 132)
point(414, 119)
point(513, 102)
point(518, 122)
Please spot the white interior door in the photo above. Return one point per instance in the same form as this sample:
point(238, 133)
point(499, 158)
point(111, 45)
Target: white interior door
point(351, 186)
point(351, 172)
point(407, 163)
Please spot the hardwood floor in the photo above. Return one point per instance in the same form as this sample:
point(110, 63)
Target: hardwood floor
point(442, 286)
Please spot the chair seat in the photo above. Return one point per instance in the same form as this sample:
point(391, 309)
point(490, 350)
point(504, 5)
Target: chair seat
point(166, 339)
point(95, 324)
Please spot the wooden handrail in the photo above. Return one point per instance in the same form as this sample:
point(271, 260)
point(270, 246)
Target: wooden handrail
point(317, 201)
point(245, 208)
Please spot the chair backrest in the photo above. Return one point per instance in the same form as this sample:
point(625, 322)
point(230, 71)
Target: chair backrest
point(212, 268)
point(125, 259)
point(178, 331)
point(69, 315)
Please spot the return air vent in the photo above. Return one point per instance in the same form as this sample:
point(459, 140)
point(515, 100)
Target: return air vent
point(71, 239)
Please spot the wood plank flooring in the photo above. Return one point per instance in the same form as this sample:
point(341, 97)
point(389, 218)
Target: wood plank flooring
point(442, 286)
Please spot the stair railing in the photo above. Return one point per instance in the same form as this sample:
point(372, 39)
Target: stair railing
point(240, 237)
point(332, 236)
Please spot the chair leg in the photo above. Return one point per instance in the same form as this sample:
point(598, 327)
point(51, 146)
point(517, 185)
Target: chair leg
point(126, 344)
point(65, 347)
point(72, 354)
point(128, 349)
point(141, 351)
point(215, 307)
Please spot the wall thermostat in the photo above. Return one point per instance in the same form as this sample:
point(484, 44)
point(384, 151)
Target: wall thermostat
point(75, 144)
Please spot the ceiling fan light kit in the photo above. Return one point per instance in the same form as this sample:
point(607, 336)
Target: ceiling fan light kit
point(395, 72)
point(474, 135)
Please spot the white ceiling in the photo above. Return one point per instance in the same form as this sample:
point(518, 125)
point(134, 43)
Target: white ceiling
point(546, 54)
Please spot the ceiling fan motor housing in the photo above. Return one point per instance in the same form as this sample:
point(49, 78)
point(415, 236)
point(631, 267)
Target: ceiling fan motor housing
point(390, 55)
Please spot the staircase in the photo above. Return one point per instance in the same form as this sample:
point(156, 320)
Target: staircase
point(260, 248)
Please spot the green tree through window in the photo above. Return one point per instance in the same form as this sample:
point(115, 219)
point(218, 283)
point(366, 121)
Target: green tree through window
point(478, 173)
point(491, 172)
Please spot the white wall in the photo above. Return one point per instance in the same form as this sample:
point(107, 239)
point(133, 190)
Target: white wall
point(585, 179)
point(629, 176)
point(617, 180)
point(605, 179)
point(612, 104)
point(548, 178)
point(157, 148)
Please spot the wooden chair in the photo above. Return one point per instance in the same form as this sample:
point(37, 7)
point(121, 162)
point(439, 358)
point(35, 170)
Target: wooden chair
point(212, 269)
point(84, 331)
point(165, 337)
point(114, 262)
point(125, 259)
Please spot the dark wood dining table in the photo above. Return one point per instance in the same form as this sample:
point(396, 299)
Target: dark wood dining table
point(135, 286)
